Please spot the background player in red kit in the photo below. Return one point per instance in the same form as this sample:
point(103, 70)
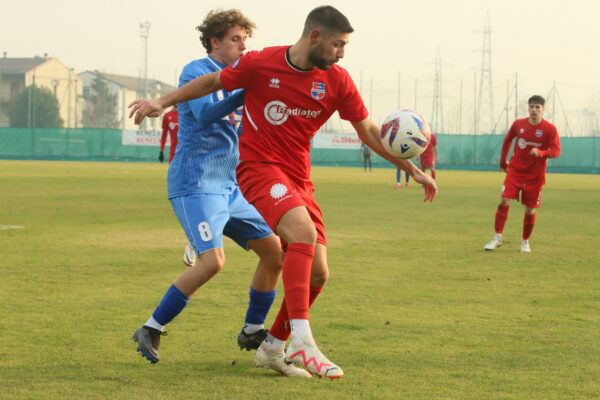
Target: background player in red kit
point(290, 92)
point(429, 157)
point(537, 140)
point(170, 126)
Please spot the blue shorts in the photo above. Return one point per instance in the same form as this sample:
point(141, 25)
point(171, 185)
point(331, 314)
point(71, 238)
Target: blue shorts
point(206, 217)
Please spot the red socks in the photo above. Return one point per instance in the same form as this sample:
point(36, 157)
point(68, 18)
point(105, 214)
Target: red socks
point(528, 224)
point(281, 327)
point(296, 278)
point(501, 216)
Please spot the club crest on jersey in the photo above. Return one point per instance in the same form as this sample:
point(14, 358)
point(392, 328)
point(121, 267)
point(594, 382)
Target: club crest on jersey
point(522, 130)
point(318, 90)
point(539, 133)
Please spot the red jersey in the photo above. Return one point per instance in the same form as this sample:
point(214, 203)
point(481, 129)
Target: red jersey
point(284, 106)
point(429, 153)
point(170, 126)
point(524, 166)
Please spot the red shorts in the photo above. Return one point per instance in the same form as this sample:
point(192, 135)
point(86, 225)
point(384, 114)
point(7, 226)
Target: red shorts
point(531, 194)
point(427, 163)
point(273, 193)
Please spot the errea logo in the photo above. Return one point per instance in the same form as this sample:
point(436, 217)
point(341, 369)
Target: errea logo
point(274, 83)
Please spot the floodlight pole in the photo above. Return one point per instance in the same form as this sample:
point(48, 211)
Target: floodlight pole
point(144, 33)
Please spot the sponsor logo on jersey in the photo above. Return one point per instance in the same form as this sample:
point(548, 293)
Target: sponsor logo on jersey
point(539, 133)
point(274, 83)
point(318, 90)
point(277, 112)
point(522, 143)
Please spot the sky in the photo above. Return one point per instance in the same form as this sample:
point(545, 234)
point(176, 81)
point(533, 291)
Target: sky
point(394, 45)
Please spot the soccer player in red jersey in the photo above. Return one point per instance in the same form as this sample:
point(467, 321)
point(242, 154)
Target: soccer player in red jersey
point(429, 156)
point(170, 126)
point(290, 92)
point(537, 140)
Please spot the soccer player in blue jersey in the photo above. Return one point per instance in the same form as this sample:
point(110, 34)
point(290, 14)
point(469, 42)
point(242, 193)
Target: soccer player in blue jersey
point(204, 194)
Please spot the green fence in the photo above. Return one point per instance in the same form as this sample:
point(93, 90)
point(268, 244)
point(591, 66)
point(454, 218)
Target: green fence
point(70, 144)
point(480, 152)
point(579, 154)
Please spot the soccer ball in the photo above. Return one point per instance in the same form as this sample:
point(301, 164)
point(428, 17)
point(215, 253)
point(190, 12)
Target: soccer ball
point(405, 134)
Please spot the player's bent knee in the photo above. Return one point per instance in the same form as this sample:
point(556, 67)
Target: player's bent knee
point(211, 262)
point(209, 268)
point(319, 278)
point(302, 233)
point(274, 262)
point(295, 226)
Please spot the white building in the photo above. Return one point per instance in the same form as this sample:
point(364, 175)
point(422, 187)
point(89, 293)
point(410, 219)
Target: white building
point(18, 73)
point(127, 89)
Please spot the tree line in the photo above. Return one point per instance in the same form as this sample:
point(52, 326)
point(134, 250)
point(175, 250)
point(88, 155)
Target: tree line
point(37, 107)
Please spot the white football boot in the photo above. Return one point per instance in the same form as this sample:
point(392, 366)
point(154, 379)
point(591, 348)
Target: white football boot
point(525, 246)
point(305, 353)
point(189, 255)
point(494, 243)
point(274, 358)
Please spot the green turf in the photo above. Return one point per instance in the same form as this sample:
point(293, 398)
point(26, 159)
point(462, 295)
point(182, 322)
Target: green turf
point(414, 308)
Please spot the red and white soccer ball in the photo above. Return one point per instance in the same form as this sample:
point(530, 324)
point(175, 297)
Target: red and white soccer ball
point(405, 134)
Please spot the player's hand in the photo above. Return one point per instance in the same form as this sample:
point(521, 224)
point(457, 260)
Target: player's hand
point(503, 166)
point(428, 183)
point(161, 156)
point(534, 152)
point(143, 108)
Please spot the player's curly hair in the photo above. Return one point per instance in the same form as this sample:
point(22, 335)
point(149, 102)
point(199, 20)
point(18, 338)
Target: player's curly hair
point(217, 23)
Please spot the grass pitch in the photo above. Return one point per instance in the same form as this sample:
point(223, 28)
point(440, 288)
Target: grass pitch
point(414, 308)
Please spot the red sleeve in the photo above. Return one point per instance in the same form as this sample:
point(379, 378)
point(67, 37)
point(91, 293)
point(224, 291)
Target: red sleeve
point(506, 146)
point(433, 140)
point(553, 149)
point(351, 107)
point(165, 129)
point(234, 76)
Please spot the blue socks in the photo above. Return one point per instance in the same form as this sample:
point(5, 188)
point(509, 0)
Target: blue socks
point(258, 308)
point(172, 303)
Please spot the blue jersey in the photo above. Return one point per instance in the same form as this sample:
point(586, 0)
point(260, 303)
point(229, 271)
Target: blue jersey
point(207, 151)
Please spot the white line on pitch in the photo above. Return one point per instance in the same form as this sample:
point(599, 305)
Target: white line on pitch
point(11, 227)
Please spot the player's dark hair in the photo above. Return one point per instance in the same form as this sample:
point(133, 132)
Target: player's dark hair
point(218, 22)
point(327, 18)
point(537, 99)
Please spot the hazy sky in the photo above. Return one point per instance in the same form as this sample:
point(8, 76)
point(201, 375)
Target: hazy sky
point(542, 41)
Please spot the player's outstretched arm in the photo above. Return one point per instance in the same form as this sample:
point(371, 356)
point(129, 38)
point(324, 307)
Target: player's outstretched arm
point(199, 87)
point(206, 112)
point(368, 132)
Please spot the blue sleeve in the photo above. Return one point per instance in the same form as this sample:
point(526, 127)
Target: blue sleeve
point(206, 111)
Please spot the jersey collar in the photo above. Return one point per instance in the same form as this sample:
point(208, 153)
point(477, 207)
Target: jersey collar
point(297, 68)
point(216, 63)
